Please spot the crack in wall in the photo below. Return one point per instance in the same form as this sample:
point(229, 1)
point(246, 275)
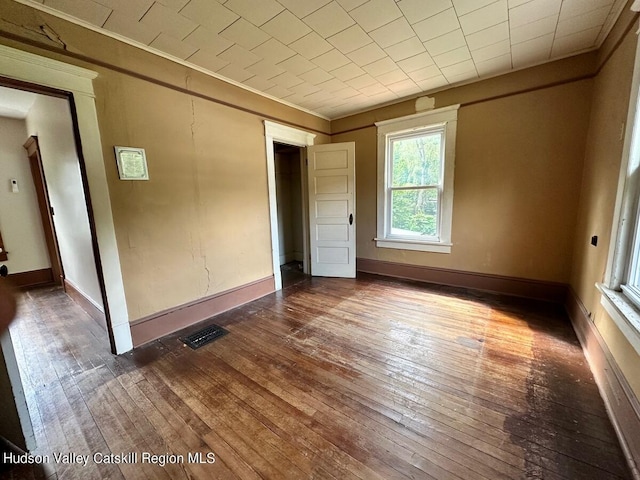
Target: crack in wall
point(51, 34)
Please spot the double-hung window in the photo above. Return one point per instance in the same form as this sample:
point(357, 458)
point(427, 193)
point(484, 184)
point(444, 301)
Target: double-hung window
point(416, 156)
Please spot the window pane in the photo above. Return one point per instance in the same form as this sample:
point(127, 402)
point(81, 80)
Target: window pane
point(414, 212)
point(417, 160)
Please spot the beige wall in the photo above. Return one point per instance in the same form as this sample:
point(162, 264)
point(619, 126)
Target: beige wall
point(200, 225)
point(598, 194)
point(19, 215)
point(517, 181)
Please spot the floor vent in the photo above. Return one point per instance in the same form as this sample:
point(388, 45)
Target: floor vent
point(204, 336)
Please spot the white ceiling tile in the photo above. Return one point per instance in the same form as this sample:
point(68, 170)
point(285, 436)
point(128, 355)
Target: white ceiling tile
point(302, 9)
point(329, 20)
point(462, 77)
point(416, 62)
point(257, 13)
point(532, 11)
point(571, 8)
point(350, 39)
point(375, 13)
point(332, 85)
point(391, 77)
point(210, 14)
point(367, 54)
point(174, 5)
point(535, 29)
point(305, 88)
point(286, 27)
point(273, 51)
point(375, 89)
point(453, 57)
point(392, 33)
point(466, 6)
point(311, 45)
point(129, 27)
point(437, 25)
point(380, 67)
point(265, 69)
point(239, 56)
point(446, 43)
point(405, 87)
point(425, 73)
point(168, 21)
point(459, 69)
point(586, 21)
point(135, 9)
point(485, 17)
point(168, 44)
point(433, 83)
point(406, 49)
point(297, 64)
point(488, 36)
point(417, 10)
point(202, 37)
point(348, 72)
point(494, 66)
point(516, 3)
point(491, 51)
point(349, 5)
point(361, 81)
point(207, 60)
point(532, 51)
point(316, 76)
point(286, 80)
point(331, 60)
point(245, 34)
point(86, 10)
point(259, 83)
point(575, 42)
point(347, 93)
point(279, 92)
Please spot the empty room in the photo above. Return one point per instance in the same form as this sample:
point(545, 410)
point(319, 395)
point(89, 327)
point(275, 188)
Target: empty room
point(337, 239)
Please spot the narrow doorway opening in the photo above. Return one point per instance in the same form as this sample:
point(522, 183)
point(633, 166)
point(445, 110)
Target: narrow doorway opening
point(290, 194)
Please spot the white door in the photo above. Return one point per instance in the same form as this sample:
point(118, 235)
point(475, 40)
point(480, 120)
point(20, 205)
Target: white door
point(332, 208)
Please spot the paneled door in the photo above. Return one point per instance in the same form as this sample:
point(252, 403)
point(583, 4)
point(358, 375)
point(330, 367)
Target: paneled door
point(332, 208)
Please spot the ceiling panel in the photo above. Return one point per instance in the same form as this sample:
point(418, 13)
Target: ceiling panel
point(336, 57)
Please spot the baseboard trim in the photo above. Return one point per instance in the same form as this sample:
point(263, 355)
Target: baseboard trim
point(32, 278)
point(86, 304)
point(150, 328)
point(621, 402)
point(519, 287)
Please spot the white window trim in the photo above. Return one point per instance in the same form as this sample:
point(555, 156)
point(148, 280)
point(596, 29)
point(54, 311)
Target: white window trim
point(618, 304)
point(449, 117)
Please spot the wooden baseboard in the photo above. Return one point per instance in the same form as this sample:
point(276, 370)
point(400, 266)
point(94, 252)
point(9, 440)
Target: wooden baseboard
point(86, 304)
point(33, 278)
point(520, 287)
point(621, 402)
point(160, 324)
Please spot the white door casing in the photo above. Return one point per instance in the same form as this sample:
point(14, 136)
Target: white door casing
point(332, 202)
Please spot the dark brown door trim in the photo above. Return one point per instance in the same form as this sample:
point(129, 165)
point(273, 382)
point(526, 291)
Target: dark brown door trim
point(46, 212)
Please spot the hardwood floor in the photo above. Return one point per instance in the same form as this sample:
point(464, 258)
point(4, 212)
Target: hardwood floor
point(330, 379)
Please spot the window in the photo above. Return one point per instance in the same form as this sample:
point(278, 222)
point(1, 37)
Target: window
point(416, 156)
point(621, 287)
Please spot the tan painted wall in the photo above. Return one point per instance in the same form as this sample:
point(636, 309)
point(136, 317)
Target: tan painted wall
point(517, 181)
point(201, 224)
point(598, 193)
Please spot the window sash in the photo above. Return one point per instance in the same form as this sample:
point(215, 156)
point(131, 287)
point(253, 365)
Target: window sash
point(391, 138)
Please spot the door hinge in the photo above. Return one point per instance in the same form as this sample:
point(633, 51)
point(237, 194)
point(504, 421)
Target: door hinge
point(51, 210)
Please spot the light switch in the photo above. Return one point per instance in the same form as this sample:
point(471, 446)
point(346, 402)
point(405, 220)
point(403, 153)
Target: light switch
point(14, 186)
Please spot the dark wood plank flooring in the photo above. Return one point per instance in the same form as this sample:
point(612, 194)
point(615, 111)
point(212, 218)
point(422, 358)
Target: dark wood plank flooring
point(331, 378)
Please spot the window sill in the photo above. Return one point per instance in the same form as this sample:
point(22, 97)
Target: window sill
point(400, 244)
point(623, 313)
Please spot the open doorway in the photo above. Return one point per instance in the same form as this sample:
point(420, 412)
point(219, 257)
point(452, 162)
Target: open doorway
point(289, 170)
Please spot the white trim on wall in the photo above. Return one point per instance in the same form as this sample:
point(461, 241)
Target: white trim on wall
point(275, 132)
point(38, 70)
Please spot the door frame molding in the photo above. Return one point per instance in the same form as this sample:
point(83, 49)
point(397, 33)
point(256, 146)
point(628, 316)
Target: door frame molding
point(31, 72)
point(278, 133)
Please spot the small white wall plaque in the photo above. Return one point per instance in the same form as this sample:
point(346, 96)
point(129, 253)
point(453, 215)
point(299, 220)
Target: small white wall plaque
point(132, 163)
